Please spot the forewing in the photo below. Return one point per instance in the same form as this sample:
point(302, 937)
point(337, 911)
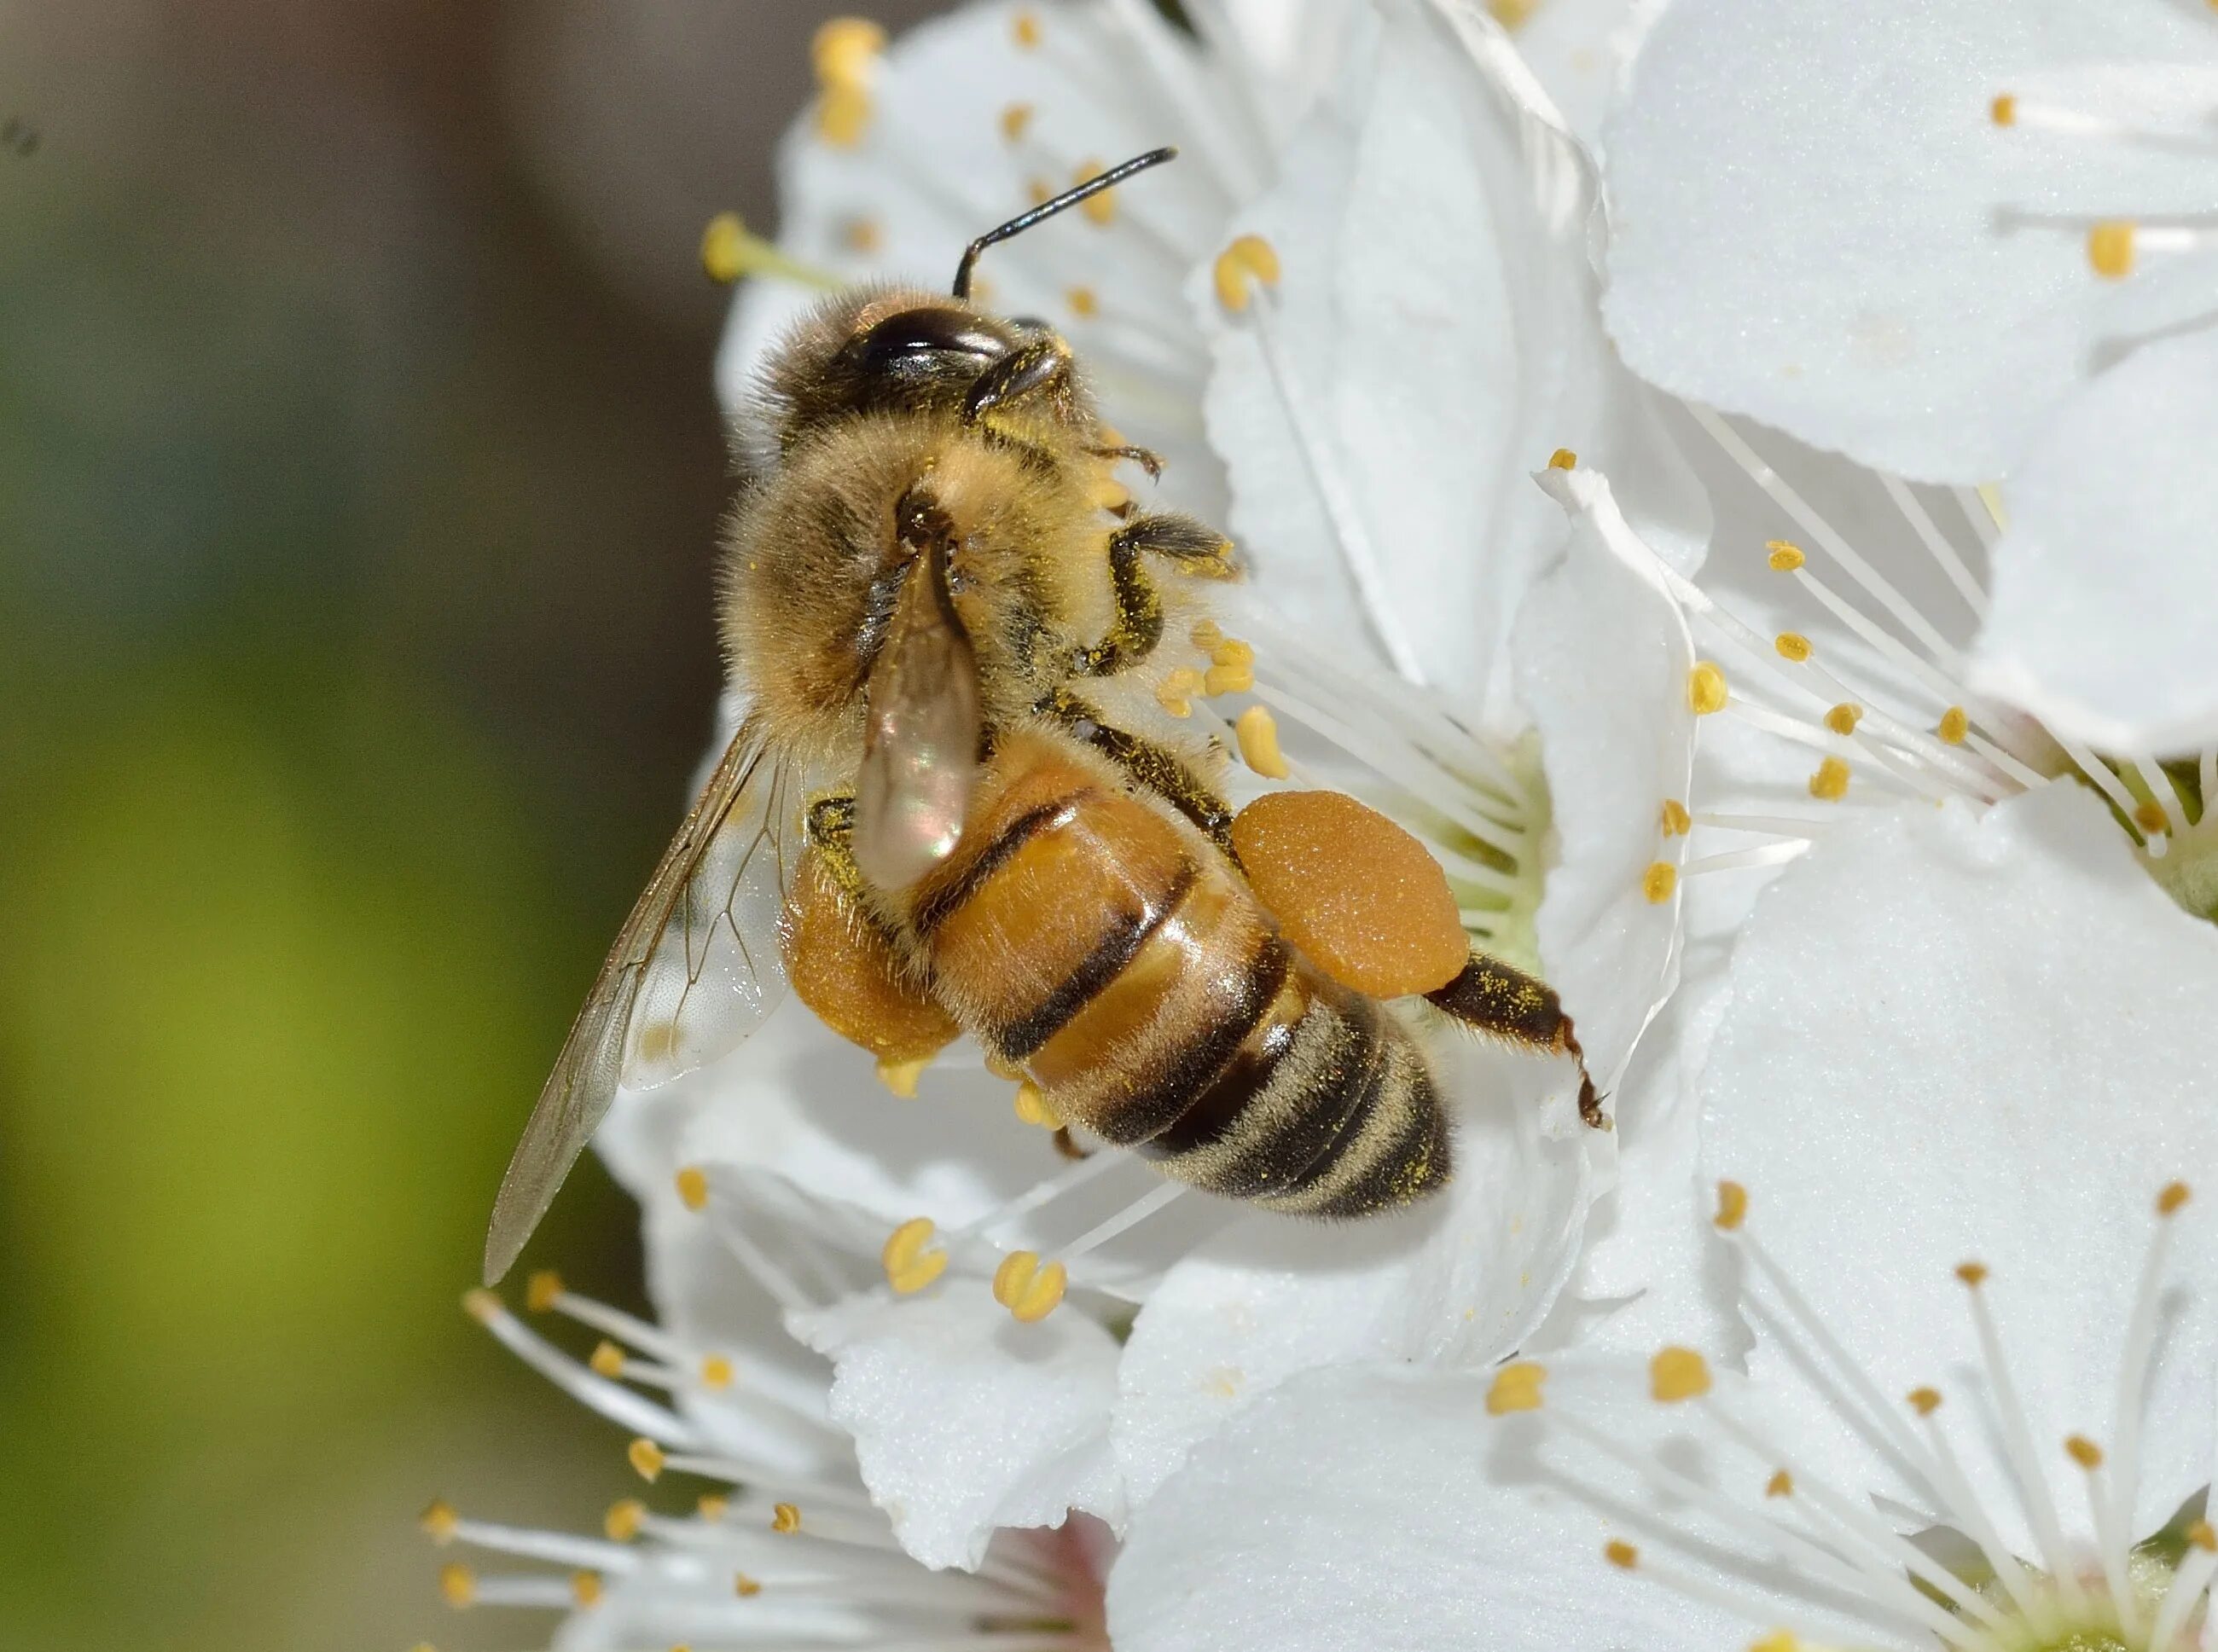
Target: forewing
point(921, 740)
point(694, 969)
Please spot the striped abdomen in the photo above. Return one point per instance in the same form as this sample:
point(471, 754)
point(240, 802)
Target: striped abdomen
point(1116, 958)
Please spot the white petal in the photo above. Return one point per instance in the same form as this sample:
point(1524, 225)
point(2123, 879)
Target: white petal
point(1460, 1281)
point(965, 1421)
point(1433, 342)
point(1956, 1036)
point(1580, 50)
point(1816, 222)
point(2104, 586)
point(1394, 1515)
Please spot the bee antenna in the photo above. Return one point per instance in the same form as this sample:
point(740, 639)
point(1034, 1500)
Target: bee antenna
point(1046, 209)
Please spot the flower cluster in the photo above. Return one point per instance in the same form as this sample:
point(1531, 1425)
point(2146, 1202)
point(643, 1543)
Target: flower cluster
point(1768, 567)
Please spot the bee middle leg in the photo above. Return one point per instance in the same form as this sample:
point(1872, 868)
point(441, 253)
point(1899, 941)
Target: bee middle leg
point(1506, 1002)
point(1137, 624)
point(1152, 766)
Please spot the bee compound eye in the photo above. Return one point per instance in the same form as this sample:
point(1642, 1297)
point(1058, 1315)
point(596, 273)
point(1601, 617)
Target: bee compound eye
point(912, 340)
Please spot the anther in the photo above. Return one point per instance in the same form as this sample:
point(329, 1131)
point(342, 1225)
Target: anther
point(2082, 1451)
point(1844, 718)
point(1249, 258)
point(481, 1305)
point(1562, 459)
point(1831, 783)
point(712, 1506)
point(585, 1589)
point(1030, 1291)
point(1782, 1484)
point(1025, 27)
point(729, 250)
point(716, 1371)
point(2175, 1194)
point(785, 1519)
point(909, 1267)
point(1785, 555)
point(693, 1187)
point(1732, 1207)
point(2110, 249)
point(1974, 1274)
point(1098, 208)
point(1232, 668)
point(1257, 731)
point(1779, 1640)
point(646, 1459)
point(1659, 883)
point(1175, 693)
point(1924, 1401)
point(745, 1586)
point(1676, 1374)
point(1206, 635)
point(623, 1521)
point(1677, 823)
point(1014, 120)
point(439, 1521)
point(607, 1359)
point(1955, 723)
point(542, 1289)
point(845, 48)
point(2203, 1536)
point(863, 235)
point(2149, 817)
point(1706, 688)
point(1792, 646)
point(458, 1585)
point(1617, 1552)
point(1083, 303)
point(900, 1077)
point(1516, 1387)
point(2003, 110)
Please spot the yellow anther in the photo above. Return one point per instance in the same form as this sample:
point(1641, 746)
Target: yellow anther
point(1785, 555)
point(2110, 249)
point(1206, 635)
point(1831, 783)
point(845, 50)
point(482, 1305)
point(1098, 208)
point(1732, 1207)
point(1844, 718)
point(2003, 110)
point(1706, 688)
point(1257, 731)
point(646, 1458)
point(745, 1586)
point(1792, 646)
point(1924, 1401)
point(785, 1519)
point(729, 250)
point(1677, 823)
point(716, 1371)
point(900, 1077)
point(458, 1585)
point(1516, 1387)
point(585, 1589)
point(1659, 883)
point(843, 115)
point(1014, 120)
point(1974, 1274)
point(1033, 1107)
point(1676, 1374)
point(1083, 303)
point(693, 1187)
point(1779, 1640)
point(1040, 190)
point(2082, 1451)
point(2175, 1194)
point(1511, 13)
point(863, 235)
point(1251, 258)
point(1230, 676)
point(541, 1290)
point(439, 1521)
point(1026, 29)
point(624, 1519)
point(1782, 1484)
point(607, 1359)
point(1177, 691)
point(1562, 459)
point(1955, 723)
point(2150, 817)
point(909, 1267)
point(1617, 1552)
point(1028, 1290)
point(712, 1506)
point(2204, 1535)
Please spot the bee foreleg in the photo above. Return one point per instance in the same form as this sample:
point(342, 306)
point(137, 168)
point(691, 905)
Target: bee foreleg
point(1146, 458)
point(1042, 365)
point(1509, 1004)
point(1150, 765)
point(1137, 626)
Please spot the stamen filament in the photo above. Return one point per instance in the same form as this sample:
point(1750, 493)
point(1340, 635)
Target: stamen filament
point(1936, 543)
point(632, 1412)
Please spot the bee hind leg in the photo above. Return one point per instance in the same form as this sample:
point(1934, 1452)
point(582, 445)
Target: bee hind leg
point(1490, 997)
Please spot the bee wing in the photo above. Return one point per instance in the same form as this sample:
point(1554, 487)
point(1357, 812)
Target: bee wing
point(695, 970)
point(921, 732)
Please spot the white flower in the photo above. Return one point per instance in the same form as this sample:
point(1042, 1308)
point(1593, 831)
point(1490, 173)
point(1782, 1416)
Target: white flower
point(1387, 507)
point(784, 1550)
point(1964, 1055)
point(1905, 238)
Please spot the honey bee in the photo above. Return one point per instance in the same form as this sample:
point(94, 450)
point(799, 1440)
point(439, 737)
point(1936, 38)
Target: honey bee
point(928, 825)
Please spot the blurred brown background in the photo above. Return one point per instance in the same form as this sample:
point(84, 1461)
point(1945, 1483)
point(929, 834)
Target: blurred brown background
point(358, 475)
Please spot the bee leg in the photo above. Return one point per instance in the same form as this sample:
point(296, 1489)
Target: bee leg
point(1067, 1147)
point(1150, 765)
point(1146, 458)
point(1511, 1006)
point(1138, 625)
point(1042, 365)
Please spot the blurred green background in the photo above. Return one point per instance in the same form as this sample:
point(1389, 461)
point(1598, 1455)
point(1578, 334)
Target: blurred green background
point(358, 476)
